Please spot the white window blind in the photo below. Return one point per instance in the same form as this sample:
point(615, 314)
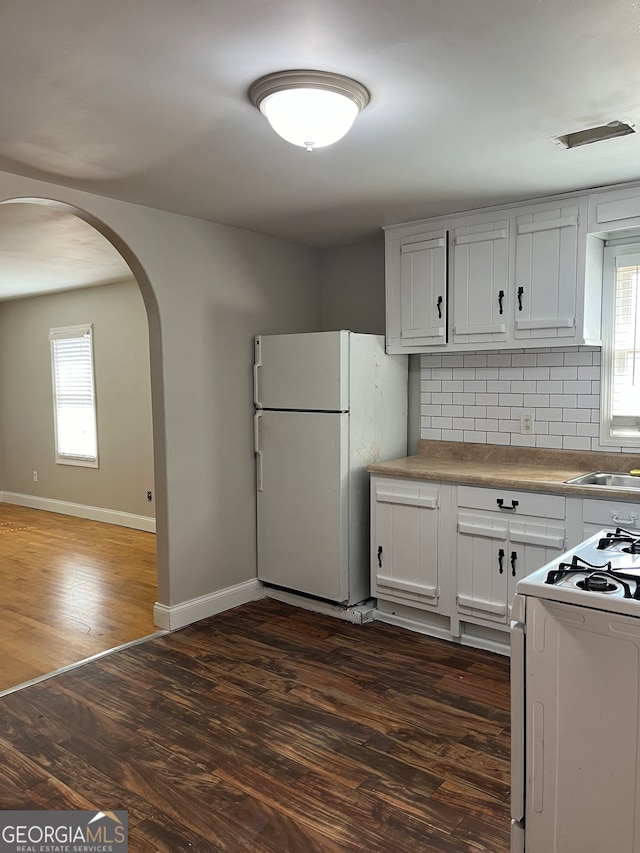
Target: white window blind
point(74, 395)
point(625, 392)
point(620, 420)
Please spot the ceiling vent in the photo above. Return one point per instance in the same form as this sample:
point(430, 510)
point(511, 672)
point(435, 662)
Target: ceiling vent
point(596, 134)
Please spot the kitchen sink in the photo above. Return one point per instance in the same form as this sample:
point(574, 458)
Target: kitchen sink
point(601, 478)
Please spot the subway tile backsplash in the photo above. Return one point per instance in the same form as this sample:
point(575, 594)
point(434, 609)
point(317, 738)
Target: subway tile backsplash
point(479, 397)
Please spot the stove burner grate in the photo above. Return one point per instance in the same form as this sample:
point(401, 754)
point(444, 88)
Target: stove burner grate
point(620, 537)
point(596, 578)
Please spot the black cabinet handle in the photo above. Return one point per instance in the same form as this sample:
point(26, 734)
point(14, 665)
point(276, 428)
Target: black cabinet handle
point(514, 557)
point(380, 556)
point(439, 307)
point(500, 502)
point(500, 298)
point(501, 560)
point(520, 292)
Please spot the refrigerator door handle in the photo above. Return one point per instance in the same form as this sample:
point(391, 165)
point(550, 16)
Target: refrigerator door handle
point(257, 363)
point(256, 449)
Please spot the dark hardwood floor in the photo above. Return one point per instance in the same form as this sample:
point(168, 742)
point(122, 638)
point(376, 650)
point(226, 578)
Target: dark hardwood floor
point(273, 730)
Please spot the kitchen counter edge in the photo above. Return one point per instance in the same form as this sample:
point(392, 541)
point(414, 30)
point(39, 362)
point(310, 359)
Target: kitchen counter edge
point(525, 469)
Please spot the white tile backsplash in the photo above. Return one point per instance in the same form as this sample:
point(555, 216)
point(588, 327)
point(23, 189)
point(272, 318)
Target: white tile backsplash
point(479, 397)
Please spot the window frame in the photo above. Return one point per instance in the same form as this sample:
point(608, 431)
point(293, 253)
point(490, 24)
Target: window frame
point(68, 333)
point(625, 434)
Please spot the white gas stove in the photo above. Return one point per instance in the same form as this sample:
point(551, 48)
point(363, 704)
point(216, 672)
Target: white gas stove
point(603, 573)
point(575, 701)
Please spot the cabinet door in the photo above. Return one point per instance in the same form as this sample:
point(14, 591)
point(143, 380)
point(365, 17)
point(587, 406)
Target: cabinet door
point(614, 210)
point(532, 543)
point(480, 279)
point(405, 541)
point(546, 273)
point(423, 290)
point(482, 566)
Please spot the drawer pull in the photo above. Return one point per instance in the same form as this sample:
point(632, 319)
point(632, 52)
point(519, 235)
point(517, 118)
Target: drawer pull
point(633, 518)
point(500, 502)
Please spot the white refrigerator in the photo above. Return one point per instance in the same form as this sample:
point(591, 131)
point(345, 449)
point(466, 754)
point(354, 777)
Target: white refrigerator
point(327, 405)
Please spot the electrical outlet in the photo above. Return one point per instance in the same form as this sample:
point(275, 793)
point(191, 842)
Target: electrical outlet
point(149, 496)
point(35, 476)
point(526, 423)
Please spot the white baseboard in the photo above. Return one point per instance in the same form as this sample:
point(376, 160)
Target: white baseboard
point(416, 625)
point(498, 647)
point(490, 641)
point(178, 615)
point(93, 513)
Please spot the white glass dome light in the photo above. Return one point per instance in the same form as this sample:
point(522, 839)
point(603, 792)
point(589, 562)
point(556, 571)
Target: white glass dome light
point(311, 109)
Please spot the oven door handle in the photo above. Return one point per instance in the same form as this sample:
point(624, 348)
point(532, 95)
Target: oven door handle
point(517, 717)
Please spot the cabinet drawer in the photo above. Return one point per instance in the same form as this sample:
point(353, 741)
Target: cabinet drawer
point(611, 513)
point(406, 493)
point(512, 502)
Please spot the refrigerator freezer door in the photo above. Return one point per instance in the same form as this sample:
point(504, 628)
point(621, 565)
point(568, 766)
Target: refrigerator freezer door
point(307, 372)
point(303, 504)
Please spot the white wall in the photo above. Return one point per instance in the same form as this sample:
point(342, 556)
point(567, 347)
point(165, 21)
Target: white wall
point(479, 397)
point(207, 289)
point(123, 399)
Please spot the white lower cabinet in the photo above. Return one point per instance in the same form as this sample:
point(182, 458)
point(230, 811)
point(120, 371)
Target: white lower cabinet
point(597, 514)
point(501, 537)
point(447, 558)
point(406, 543)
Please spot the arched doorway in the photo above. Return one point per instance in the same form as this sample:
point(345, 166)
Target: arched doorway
point(57, 216)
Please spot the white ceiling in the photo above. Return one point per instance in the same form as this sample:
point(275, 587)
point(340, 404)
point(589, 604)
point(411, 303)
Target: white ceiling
point(146, 101)
point(43, 250)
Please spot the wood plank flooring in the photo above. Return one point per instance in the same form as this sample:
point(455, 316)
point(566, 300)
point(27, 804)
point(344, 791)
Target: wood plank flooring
point(71, 588)
point(273, 730)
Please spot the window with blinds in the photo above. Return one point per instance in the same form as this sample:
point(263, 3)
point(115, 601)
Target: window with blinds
point(621, 346)
point(74, 395)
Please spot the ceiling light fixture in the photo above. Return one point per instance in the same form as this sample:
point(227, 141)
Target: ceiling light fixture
point(311, 109)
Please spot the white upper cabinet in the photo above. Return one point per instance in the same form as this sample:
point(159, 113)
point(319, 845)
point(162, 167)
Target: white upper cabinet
point(614, 210)
point(480, 282)
point(524, 276)
point(546, 278)
point(417, 308)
